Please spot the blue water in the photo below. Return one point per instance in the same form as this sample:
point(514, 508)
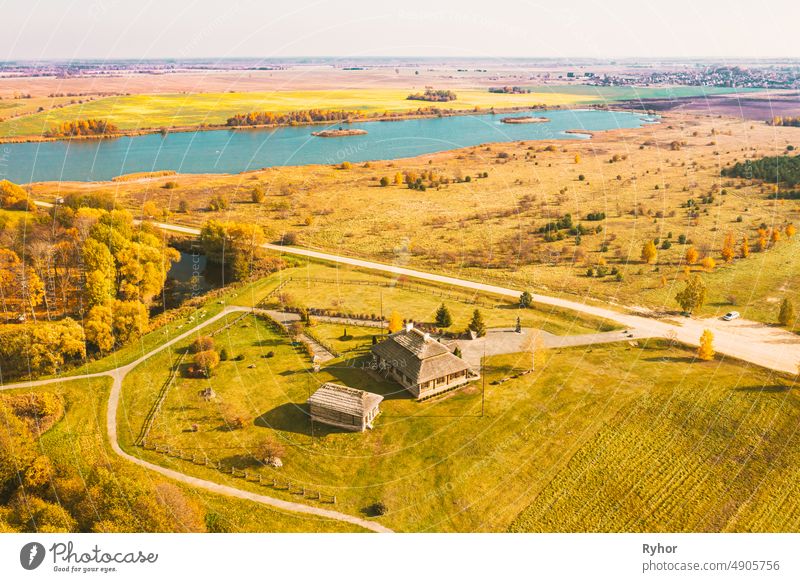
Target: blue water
point(233, 151)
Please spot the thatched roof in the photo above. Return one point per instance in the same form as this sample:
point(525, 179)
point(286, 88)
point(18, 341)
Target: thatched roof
point(417, 355)
point(345, 399)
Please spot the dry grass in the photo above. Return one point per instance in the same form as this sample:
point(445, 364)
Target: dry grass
point(486, 229)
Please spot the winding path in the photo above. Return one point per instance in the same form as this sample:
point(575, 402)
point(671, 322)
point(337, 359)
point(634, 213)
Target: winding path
point(748, 341)
point(118, 375)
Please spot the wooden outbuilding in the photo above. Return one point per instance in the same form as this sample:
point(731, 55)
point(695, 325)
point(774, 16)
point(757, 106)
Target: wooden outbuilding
point(344, 407)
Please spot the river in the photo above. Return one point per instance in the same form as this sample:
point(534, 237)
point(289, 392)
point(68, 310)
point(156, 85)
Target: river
point(233, 151)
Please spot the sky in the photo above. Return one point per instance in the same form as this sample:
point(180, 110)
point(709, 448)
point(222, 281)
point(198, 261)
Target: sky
point(144, 29)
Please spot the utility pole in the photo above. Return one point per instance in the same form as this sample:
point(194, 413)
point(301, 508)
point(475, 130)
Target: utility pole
point(483, 379)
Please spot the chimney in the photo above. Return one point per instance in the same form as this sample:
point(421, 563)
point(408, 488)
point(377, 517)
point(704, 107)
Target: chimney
point(409, 326)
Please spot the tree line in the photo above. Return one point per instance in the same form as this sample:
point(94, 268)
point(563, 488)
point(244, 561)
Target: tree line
point(772, 169)
point(786, 121)
point(305, 116)
point(82, 127)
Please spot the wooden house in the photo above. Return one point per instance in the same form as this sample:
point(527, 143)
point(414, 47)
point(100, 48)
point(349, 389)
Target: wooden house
point(344, 407)
point(421, 364)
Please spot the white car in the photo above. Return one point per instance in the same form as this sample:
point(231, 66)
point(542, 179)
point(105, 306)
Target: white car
point(731, 315)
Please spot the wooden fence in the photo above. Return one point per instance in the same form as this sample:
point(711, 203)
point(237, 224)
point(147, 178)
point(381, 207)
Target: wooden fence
point(250, 476)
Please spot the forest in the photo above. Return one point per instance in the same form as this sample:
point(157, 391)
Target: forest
point(73, 273)
point(772, 169)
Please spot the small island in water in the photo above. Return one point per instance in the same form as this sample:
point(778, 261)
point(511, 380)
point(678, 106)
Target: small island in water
point(338, 132)
point(526, 119)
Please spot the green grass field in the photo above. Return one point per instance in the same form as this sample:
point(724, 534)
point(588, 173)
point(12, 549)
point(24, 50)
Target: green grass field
point(344, 291)
point(133, 112)
point(705, 440)
point(79, 441)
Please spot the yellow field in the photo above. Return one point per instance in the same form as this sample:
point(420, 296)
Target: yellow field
point(134, 112)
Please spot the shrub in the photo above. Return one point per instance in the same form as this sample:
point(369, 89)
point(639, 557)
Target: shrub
point(202, 344)
point(171, 185)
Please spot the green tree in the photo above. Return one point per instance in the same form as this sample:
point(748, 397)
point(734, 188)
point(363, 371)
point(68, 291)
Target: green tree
point(526, 299)
point(787, 317)
point(693, 295)
point(477, 324)
point(443, 316)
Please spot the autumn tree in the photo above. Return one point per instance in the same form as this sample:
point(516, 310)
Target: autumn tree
point(693, 295)
point(786, 317)
point(99, 327)
point(691, 256)
point(708, 263)
point(257, 194)
point(206, 362)
point(395, 322)
point(13, 197)
point(101, 272)
point(130, 320)
point(649, 252)
point(728, 250)
point(443, 316)
point(202, 344)
point(235, 246)
point(744, 249)
point(706, 350)
point(790, 230)
point(40, 348)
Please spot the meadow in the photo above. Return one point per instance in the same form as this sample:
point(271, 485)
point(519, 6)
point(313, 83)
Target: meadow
point(78, 441)
point(136, 112)
point(567, 448)
point(661, 182)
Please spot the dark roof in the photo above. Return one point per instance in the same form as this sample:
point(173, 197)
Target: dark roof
point(345, 399)
point(418, 356)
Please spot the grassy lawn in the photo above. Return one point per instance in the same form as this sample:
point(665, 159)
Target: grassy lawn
point(180, 110)
point(544, 439)
point(79, 441)
point(343, 291)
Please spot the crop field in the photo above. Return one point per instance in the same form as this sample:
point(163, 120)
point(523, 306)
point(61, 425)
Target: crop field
point(78, 442)
point(489, 228)
point(135, 112)
point(712, 452)
point(567, 448)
